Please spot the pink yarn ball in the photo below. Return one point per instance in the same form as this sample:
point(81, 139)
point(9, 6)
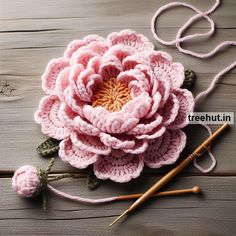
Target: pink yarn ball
point(26, 181)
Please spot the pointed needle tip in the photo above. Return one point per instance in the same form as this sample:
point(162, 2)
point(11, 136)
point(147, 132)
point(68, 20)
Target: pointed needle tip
point(118, 218)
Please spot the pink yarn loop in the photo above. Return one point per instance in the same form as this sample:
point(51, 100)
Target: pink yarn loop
point(179, 39)
point(80, 199)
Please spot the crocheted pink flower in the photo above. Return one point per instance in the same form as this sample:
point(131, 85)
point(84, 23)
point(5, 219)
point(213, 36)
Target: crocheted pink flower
point(115, 103)
point(26, 181)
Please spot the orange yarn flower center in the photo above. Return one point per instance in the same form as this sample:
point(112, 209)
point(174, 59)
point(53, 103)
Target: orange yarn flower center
point(112, 95)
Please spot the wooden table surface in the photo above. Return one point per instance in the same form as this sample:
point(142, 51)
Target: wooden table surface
point(32, 33)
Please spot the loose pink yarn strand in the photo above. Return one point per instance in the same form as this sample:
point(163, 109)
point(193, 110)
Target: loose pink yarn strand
point(177, 42)
point(80, 199)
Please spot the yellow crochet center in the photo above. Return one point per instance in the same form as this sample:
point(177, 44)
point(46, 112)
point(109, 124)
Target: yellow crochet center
point(112, 95)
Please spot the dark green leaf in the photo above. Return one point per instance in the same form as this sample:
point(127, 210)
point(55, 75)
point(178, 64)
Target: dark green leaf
point(48, 147)
point(189, 80)
point(92, 181)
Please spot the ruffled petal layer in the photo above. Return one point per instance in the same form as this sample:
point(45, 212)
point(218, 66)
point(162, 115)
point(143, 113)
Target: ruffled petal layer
point(186, 104)
point(76, 157)
point(166, 149)
point(89, 143)
point(53, 69)
point(76, 44)
point(130, 38)
point(118, 166)
point(164, 67)
point(48, 116)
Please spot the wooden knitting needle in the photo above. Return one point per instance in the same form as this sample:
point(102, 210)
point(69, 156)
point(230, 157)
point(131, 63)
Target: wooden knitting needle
point(170, 175)
point(194, 190)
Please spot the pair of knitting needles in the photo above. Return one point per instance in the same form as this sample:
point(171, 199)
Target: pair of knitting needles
point(170, 175)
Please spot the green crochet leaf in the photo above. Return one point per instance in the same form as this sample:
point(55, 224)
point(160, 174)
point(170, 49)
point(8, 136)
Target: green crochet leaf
point(92, 181)
point(48, 147)
point(189, 80)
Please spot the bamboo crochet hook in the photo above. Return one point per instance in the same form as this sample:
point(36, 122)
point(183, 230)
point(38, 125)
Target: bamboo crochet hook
point(170, 175)
point(194, 190)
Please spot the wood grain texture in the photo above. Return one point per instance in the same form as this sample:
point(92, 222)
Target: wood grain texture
point(211, 213)
point(32, 33)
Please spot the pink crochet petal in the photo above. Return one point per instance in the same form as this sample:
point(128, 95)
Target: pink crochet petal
point(166, 149)
point(131, 61)
point(159, 59)
point(62, 83)
point(147, 125)
point(164, 90)
point(116, 122)
point(73, 76)
point(93, 82)
point(49, 78)
point(110, 67)
point(47, 116)
point(150, 77)
point(84, 127)
point(139, 106)
point(170, 110)
point(156, 100)
point(95, 63)
point(89, 143)
point(84, 92)
point(176, 73)
point(130, 38)
point(84, 81)
point(74, 156)
point(119, 51)
point(186, 103)
point(136, 81)
point(118, 166)
point(82, 57)
point(155, 133)
point(67, 115)
point(76, 44)
point(97, 116)
point(98, 47)
point(117, 141)
point(139, 148)
point(73, 101)
point(163, 66)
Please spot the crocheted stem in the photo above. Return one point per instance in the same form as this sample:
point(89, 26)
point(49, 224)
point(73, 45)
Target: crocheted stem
point(62, 176)
point(44, 200)
point(51, 163)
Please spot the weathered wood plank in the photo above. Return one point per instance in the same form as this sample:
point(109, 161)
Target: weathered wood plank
point(51, 37)
point(132, 10)
point(213, 213)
